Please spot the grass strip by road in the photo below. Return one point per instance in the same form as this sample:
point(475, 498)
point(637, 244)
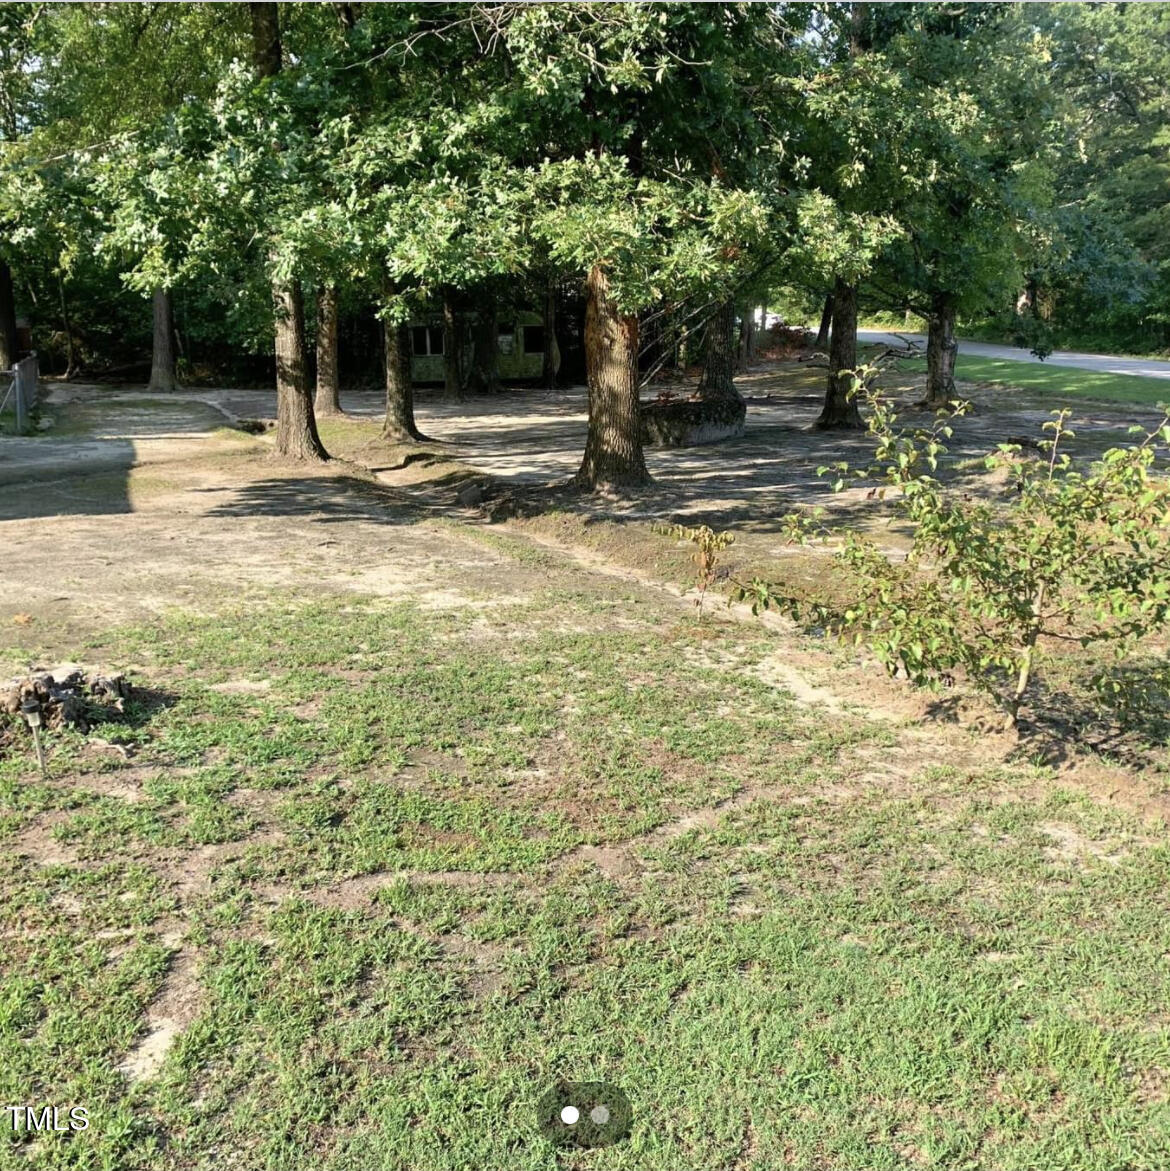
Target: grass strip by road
point(1061, 382)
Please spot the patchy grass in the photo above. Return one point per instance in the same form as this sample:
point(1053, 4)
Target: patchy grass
point(1059, 382)
point(373, 875)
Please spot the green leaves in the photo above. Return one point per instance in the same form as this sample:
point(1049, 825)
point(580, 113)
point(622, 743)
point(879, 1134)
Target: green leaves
point(708, 545)
point(1066, 552)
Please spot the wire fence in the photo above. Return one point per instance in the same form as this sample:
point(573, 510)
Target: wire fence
point(19, 399)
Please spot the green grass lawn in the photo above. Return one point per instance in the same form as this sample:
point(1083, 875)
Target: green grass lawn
point(415, 864)
point(1059, 382)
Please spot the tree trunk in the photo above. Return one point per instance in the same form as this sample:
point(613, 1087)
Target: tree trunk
point(718, 379)
point(551, 361)
point(484, 376)
point(746, 349)
point(454, 330)
point(399, 424)
point(613, 448)
point(296, 427)
point(265, 39)
point(8, 338)
point(840, 412)
point(66, 326)
point(162, 353)
point(822, 342)
point(941, 349)
point(1031, 296)
point(328, 401)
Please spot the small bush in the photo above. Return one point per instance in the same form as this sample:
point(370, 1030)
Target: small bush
point(1066, 553)
point(708, 545)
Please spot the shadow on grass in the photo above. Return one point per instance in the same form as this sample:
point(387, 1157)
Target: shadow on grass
point(44, 477)
point(1125, 717)
point(143, 705)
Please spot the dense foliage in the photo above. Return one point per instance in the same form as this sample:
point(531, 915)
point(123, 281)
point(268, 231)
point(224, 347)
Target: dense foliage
point(1104, 278)
point(995, 163)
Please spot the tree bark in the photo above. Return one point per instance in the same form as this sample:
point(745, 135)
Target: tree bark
point(162, 352)
point(941, 349)
point(718, 378)
point(8, 338)
point(613, 447)
point(296, 426)
point(484, 375)
point(328, 401)
point(454, 328)
point(265, 39)
point(822, 342)
point(860, 39)
point(840, 412)
point(399, 424)
point(746, 349)
point(66, 326)
point(551, 360)
point(1031, 296)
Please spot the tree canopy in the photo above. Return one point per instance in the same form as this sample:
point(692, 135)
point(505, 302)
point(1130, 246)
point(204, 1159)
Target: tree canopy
point(989, 163)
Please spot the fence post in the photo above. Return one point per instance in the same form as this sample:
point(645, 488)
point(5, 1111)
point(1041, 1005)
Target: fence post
point(26, 374)
point(18, 394)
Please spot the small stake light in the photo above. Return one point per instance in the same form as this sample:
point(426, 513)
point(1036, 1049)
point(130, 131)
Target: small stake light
point(31, 710)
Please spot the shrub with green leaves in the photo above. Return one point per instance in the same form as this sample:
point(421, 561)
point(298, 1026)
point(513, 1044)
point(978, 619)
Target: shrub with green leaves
point(708, 545)
point(1057, 552)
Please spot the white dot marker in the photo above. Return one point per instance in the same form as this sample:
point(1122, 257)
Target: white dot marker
point(569, 1115)
point(600, 1115)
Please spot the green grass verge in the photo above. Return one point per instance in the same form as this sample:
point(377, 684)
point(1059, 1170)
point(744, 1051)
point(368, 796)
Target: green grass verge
point(847, 966)
point(1056, 383)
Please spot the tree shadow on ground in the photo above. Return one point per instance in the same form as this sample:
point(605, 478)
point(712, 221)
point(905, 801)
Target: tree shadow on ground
point(452, 491)
point(44, 478)
point(1128, 724)
point(1127, 720)
point(752, 481)
point(750, 484)
point(325, 499)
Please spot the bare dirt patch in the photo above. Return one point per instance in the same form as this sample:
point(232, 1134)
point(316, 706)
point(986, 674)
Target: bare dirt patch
point(38, 843)
point(778, 671)
point(243, 686)
point(478, 962)
point(174, 1008)
point(1070, 845)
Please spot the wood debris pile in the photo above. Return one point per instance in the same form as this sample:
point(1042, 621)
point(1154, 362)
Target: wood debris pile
point(68, 698)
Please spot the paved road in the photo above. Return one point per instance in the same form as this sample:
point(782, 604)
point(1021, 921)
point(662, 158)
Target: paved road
point(1102, 363)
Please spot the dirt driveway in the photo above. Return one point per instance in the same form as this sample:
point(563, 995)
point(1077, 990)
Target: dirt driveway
point(131, 503)
point(531, 436)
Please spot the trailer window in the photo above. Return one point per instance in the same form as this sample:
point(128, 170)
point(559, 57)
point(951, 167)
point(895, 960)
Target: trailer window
point(426, 340)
